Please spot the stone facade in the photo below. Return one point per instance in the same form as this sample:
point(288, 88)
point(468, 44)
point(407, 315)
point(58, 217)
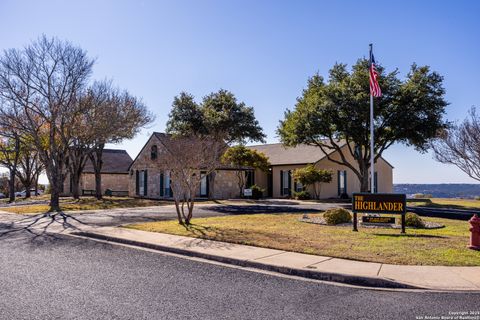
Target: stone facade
point(225, 180)
point(112, 181)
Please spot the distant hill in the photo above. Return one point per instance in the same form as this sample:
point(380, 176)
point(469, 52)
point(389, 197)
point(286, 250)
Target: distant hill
point(444, 190)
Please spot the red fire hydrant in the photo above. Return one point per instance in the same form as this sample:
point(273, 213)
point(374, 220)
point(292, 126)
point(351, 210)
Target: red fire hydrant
point(474, 232)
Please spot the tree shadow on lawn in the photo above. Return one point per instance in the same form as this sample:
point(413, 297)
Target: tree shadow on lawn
point(399, 235)
point(258, 209)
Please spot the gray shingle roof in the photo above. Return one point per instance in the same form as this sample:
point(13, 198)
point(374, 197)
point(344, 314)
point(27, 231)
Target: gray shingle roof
point(114, 161)
point(280, 155)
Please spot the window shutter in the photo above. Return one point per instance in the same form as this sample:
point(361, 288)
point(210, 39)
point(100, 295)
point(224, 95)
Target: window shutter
point(345, 182)
point(375, 182)
point(289, 182)
point(338, 182)
point(161, 184)
point(137, 186)
point(208, 184)
point(281, 182)
point(295, 186)
point(145, 183)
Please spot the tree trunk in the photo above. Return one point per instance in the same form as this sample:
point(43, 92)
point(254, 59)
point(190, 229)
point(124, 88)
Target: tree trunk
point(27, 186)
point(54, 200)
point(36, 184)
point(56, 188)
point(75, 180)
point(211, 185)
point(364, 182)
point(11, 186)
point(179, 215)
point(97, 162)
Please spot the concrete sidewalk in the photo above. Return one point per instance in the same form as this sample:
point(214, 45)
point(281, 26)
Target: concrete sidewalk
point(305, 265)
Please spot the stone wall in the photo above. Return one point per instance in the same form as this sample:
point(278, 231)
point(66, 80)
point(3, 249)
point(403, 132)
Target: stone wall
point(112, 181)
point(225, 180)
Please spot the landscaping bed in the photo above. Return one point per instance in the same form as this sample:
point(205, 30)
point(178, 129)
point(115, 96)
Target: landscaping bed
point(444, 246)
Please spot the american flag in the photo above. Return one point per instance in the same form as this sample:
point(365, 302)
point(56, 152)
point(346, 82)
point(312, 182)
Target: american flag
point(374, 87)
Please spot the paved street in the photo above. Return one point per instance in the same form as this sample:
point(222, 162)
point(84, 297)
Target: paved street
point(46, 277)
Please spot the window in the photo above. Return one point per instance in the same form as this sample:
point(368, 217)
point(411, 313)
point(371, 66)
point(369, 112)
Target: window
point(167, 184)
point(141, 183)
point(153, 152)
point(203, 185)
point(299, 186)
point(285, 183)
point(342, 182)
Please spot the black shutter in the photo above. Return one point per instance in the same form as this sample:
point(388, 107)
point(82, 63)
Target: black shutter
point(208, 184)
point(375, 182)
point(145, 183)
point(338, 182)
point(137, 186)
point(289, 182)
point(345, 182)
point(161, 184)
point(281, 182)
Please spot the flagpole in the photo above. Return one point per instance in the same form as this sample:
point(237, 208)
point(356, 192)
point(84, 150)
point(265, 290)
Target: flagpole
point(372, 150)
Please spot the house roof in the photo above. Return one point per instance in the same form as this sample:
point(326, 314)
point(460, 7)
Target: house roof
point(278, 154)
point(114, 161)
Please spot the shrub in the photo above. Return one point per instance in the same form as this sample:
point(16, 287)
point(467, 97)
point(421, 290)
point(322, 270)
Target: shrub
point(337, 216)
point(257, 192)
point(413, 220)
point(302, 195)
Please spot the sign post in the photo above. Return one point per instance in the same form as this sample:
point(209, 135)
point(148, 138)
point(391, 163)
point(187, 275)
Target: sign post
point(387, 203)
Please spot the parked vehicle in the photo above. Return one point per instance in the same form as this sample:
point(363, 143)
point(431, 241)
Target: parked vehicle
point(23, 193)
point(2, 195)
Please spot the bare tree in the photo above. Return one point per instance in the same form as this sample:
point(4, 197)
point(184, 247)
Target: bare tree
point(460, 145)
point(40, 86)
point(9, 156)
point(189, 159)
point(29, 167)
point(116, 115)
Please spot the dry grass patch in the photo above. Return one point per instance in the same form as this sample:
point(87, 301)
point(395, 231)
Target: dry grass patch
point(86, 203)
point(446, 203)
point(446, 246)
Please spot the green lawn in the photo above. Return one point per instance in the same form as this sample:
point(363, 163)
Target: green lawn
point(445, 246)
point(86, 203)
point(446, 203)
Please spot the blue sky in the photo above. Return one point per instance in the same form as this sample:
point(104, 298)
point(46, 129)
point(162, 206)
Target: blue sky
point(263, 51)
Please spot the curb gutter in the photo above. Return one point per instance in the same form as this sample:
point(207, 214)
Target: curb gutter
point(311, 274)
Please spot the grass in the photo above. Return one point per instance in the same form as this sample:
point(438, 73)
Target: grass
point(85, 203)
point(445, 246)
point(446, 203)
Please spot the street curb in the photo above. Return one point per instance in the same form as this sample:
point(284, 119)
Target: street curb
point(311, 274)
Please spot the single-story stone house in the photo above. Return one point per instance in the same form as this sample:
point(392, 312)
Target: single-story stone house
point(278, 181)
point(148, 181)
point(115, 174)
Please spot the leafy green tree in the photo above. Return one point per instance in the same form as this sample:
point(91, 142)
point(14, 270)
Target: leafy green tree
point(334, 115)
point(219, 116)
point(311, 176)
point(241, 157)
